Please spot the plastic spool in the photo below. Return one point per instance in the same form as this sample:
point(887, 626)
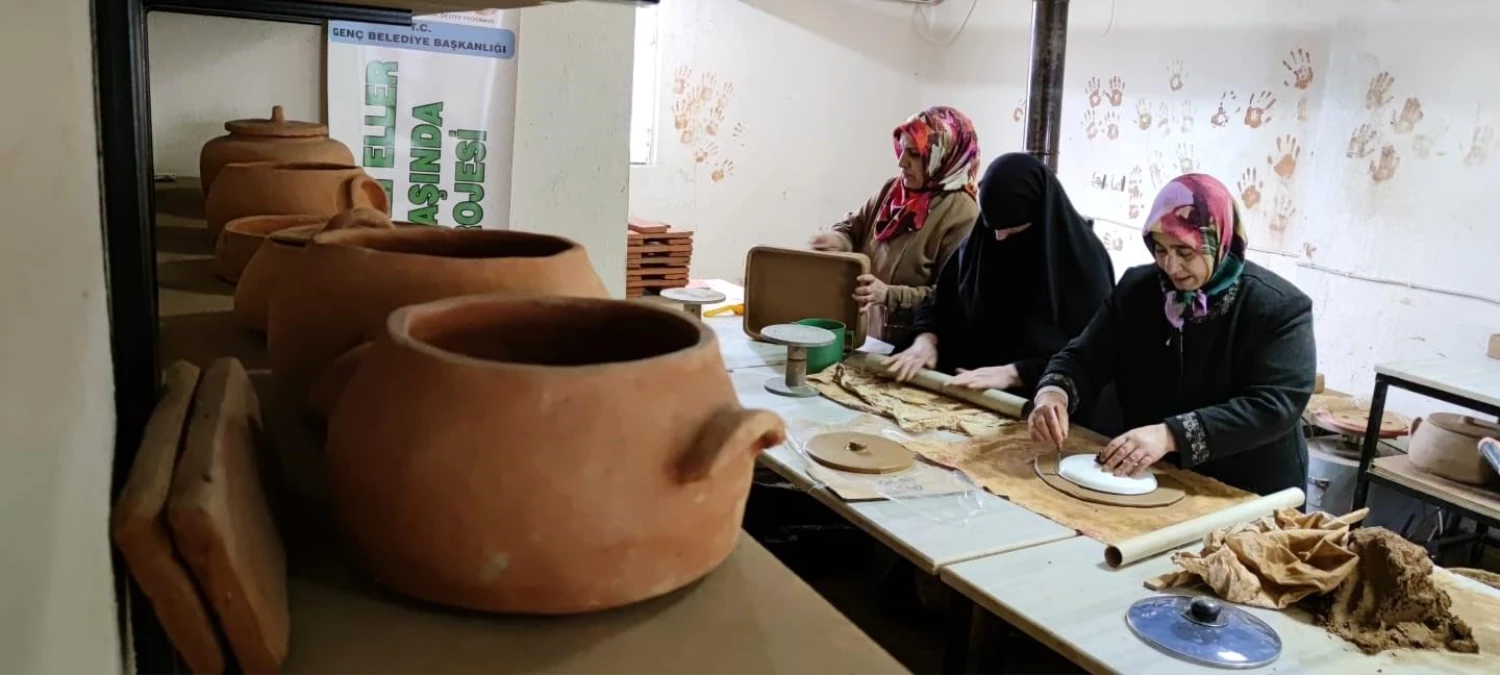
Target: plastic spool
point(797, 339)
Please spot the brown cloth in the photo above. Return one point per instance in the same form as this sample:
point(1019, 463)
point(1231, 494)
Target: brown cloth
point(914, 410)
point(1369, 587)
point(1272, 562)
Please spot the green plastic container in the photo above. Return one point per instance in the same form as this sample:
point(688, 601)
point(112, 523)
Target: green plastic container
point(819, 358)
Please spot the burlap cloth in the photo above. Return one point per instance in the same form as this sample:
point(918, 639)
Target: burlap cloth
point(1369, 586)
point(913, 409)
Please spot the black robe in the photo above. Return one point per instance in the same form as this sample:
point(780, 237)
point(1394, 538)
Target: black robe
point(1231, 387)
point(1020, 300)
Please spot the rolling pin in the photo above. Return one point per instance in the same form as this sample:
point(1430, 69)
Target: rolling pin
point(995, 400)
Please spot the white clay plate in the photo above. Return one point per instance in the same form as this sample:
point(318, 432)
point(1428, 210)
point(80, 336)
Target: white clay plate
point(1085, 470)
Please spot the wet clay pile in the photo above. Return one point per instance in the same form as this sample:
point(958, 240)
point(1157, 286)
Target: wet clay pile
point(1390, 602)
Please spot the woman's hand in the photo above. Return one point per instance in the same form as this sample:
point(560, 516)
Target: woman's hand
point(1049, 418)
point(827, 241)
point(994, 377)
point(1134, 452)
point(921, 354)
point(870, 291)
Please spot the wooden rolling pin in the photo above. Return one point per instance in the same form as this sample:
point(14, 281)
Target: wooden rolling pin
point(996, 400)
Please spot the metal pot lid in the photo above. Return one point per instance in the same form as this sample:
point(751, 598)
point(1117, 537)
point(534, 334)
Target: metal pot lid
point(278, 126)
point(1204, 631)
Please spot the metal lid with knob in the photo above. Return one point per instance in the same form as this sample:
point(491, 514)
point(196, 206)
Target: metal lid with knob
point(1204, 631)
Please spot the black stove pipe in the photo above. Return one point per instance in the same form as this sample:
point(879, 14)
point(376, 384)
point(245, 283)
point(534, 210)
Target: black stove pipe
point(1049, 46)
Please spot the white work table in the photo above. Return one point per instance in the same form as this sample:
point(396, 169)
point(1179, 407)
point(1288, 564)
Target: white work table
point(738, 349)
point(1475, 378)
point(1063, 595)
point(931, 532)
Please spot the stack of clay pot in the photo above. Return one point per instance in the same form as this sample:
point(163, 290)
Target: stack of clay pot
point(499, 434)
point(267, 175)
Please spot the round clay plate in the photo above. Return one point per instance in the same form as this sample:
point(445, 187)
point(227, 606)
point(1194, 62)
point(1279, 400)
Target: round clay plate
point(1085, 470)
point(1167, 493)
point(702, 296)
point(860, 453)
point(797, 335)
point(1355, 422)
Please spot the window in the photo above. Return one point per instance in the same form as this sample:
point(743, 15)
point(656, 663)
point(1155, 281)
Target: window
point(644, 87)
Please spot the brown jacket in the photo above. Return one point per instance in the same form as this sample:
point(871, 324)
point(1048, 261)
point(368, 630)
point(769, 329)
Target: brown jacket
point(909, 263)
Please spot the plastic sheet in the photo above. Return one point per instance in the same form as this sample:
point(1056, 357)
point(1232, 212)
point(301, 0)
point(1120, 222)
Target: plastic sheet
point(935, 492)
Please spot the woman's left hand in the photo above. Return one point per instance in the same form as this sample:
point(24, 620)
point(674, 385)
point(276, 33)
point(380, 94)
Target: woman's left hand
point(871, 291)
point(994, 377)
point(1132, 453)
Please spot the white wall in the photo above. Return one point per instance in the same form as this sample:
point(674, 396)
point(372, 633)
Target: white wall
point(572, 110)
point(806, 93)
point(57, 606)
point(1428, 224)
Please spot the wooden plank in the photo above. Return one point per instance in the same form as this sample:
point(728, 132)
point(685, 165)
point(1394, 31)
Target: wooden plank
point(1399, 469)
point(659, 248)
point(655, 283)
point(659, 261)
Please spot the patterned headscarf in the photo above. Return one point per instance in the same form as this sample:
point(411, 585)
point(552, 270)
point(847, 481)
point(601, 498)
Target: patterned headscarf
point(1199, 210)
point(949, 148)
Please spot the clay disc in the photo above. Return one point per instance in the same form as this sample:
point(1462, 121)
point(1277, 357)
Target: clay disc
point(1084, 470)
point(1167, 493)
point(797, 335)
point(860, 453)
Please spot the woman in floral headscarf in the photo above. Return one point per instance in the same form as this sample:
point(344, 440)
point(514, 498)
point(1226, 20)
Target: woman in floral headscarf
point(1212, 355)
point(916, 221)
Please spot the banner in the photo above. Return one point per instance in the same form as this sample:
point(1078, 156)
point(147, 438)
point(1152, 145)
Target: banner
point(429, 111)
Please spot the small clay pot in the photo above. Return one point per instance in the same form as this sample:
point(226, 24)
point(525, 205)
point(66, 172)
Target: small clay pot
point(276, 251)
point(542, 455)
point(346, 283)
point(1447, 445)
point(242, 237)
point(276, 139)
point(270, 189)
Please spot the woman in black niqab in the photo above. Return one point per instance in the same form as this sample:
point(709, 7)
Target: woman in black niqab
point(1027, 280)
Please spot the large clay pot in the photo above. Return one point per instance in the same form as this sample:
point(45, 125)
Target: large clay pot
point(273, 189)
point(542, 455)
point(276, 139)
point(346, 283)
point(287, 236)
point(1447, 445)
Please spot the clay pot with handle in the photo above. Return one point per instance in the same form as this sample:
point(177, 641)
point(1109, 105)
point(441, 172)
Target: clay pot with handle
point(273, 189)
point(287, 236)
point(542, 455)
point(346, 283)
point(276, 139)
point(1447, 445)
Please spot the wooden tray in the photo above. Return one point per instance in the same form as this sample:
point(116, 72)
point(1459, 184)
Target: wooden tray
point(785, 285)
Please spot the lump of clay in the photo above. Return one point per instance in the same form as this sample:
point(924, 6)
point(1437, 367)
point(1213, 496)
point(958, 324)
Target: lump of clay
point(1390, 601)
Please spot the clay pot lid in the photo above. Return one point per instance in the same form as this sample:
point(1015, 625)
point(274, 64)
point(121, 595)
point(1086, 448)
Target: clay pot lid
point(1354, 422)
point(1463, 425)
point(276, 127)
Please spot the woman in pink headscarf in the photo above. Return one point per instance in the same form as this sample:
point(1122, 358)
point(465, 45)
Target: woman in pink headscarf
point(916, 221)
point(1212, 355)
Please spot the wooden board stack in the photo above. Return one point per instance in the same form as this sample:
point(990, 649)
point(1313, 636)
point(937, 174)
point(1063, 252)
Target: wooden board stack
point(656, 258)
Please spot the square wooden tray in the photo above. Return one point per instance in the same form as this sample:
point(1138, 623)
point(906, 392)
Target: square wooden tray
point(784, 285)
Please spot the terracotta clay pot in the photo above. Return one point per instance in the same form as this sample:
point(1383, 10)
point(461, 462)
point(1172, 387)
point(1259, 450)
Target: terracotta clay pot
point(1447, 445)
point(242, 237)
point(276, 139)
point(344, 286)
point(542, 455)
point(271, 189)
point(276, 251)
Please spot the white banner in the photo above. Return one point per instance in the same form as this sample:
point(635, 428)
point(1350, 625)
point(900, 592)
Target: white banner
point(429, 111)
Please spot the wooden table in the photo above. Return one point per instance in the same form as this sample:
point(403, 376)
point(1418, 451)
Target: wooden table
point(931, 532)
point(751, 615)
point(1063, 595)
